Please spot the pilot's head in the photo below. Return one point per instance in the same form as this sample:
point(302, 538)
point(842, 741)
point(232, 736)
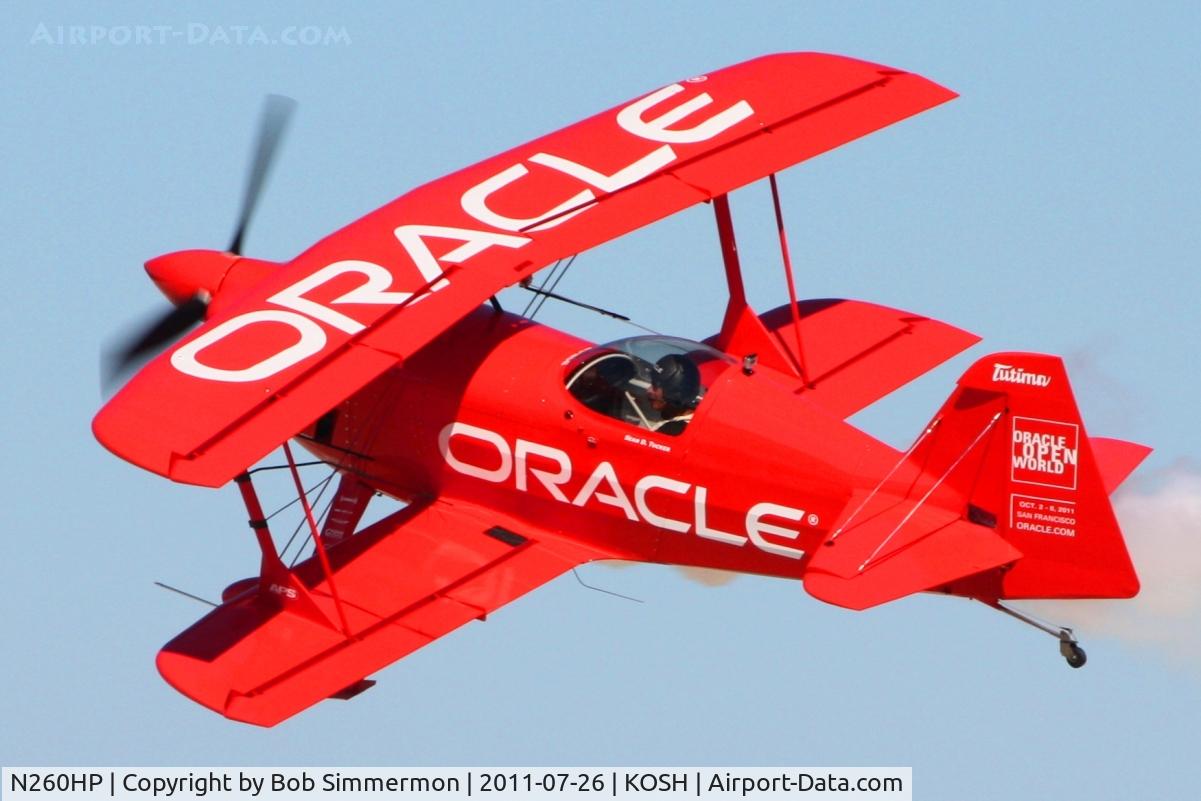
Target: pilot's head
point(675, 384)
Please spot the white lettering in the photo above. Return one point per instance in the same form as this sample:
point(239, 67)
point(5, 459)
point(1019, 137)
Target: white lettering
point(474, 202)
point(515, 464)
point(630, 117)
point(617, 497)
point(497, 474)
point(1048, 453)
point(648, 483)
point(756, 528)
point(647, 165)
point(1008, 374)
point(41, 35)
point(312, 339)
point(374, 291)
point(548, 479)
point(702, 528)
point(412, 238)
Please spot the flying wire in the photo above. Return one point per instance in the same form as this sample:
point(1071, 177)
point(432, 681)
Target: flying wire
point(321, 487)
point(360, 438)
point(553, 285)
point(320, 521)
point(373, 423)
point(285, 467)
point(642, 327)
point(547, 288)
point(546, 279)
point(185, 594)
point(575, 572)
point(296, 500)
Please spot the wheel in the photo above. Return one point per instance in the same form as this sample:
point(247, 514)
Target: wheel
point(1075, 655)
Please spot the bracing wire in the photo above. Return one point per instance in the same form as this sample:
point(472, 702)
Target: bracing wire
point(320, 521)
point(575, 572)
point(185, 594)
point(542, 300)
point(322, 486)
point(372, 422)
point(546, 279)
point(307, 492)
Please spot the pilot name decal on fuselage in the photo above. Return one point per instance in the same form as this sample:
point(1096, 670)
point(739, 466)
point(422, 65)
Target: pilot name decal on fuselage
point(554, 469)
point(1008, 374)
point(310, 320)
point(646, 442)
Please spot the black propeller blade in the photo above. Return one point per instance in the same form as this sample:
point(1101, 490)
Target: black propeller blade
point(162, 332)
point(277, 111)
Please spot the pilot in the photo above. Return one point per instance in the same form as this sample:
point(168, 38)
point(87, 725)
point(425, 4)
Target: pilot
point(674, 393)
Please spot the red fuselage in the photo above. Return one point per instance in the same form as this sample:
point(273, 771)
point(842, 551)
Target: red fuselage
point(753, 484)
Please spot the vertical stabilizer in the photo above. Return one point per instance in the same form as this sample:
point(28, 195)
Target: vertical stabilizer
point(1041, 482)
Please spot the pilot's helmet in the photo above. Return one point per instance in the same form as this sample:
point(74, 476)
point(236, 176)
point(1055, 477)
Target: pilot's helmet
point(679, 380)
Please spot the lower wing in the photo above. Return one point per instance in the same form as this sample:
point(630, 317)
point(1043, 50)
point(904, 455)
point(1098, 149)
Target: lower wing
point(400, 584)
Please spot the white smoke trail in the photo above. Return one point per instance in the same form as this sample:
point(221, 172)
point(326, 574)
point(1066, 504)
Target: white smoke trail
point(1160, 516)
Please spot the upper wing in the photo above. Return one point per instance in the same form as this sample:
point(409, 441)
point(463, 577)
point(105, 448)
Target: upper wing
point(404, 582)
point(283, 353)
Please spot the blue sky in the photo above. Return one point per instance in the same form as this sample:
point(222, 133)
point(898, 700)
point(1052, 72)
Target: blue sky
point(1053, 207)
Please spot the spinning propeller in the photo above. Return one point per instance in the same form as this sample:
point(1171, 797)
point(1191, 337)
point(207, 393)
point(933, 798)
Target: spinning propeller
point(189, 278)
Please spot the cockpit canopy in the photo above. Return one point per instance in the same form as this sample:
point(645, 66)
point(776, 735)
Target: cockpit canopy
point(651, 382)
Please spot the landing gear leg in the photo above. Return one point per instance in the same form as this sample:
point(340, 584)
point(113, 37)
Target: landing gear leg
point(1069, 648)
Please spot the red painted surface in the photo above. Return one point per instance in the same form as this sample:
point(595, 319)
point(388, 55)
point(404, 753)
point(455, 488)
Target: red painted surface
point(374, 351)
point(458, 240)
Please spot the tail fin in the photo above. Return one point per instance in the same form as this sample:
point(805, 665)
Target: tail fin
point(1039, 481)
point(1003, 496)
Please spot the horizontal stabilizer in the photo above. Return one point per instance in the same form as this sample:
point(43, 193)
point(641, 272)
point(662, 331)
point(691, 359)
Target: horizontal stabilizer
point(856, 353)
point(1116, 459)
point(891, 551)
point(414, 576)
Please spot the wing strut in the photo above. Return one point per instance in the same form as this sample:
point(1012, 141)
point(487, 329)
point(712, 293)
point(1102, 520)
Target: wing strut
point(276, 582)
point(742, 332)
point(317, 543)
point(796, 311)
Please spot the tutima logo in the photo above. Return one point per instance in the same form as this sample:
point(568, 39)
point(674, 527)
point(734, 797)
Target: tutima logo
point(1008, 374)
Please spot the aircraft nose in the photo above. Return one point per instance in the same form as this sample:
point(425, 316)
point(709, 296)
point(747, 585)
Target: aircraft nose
point(182, 274)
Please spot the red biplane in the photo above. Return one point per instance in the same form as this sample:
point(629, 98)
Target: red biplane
point(522, 451)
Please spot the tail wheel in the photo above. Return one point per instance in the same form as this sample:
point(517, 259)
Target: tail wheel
point(1074, 654)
